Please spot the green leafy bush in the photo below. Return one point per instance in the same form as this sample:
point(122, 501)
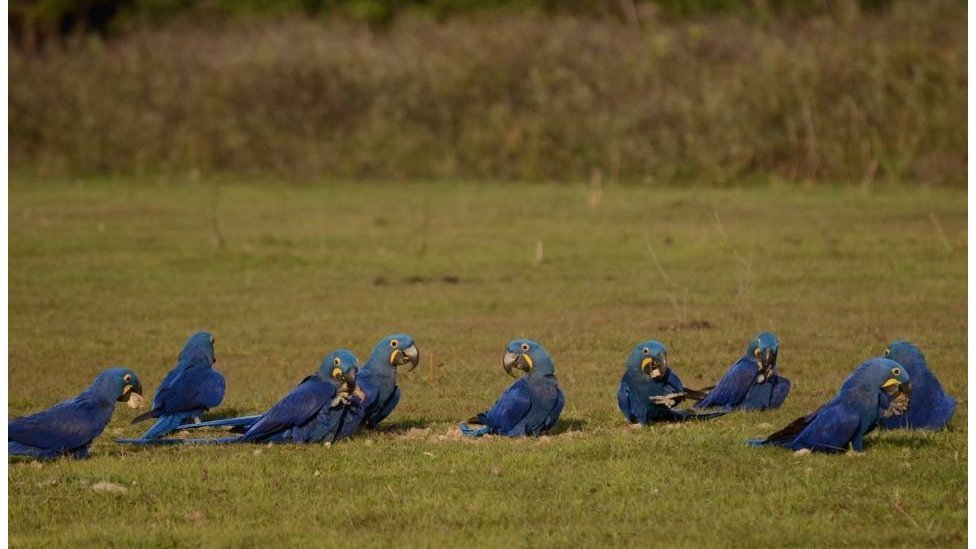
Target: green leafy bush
point(847, 96)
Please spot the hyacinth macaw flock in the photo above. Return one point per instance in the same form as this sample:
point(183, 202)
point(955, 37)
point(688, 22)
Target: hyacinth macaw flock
point(895, 391)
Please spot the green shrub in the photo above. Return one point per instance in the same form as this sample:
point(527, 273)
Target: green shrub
point(847, 96)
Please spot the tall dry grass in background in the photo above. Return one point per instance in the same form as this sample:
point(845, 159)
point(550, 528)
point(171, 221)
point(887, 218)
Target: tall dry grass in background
point(849, 98)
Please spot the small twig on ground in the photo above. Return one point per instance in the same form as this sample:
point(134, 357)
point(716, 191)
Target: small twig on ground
point(940, 232)
point(660, 268)
point(218, 237)
point(907, 515)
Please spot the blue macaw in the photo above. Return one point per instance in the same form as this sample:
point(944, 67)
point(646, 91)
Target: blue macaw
point(188, 390)
point(841, 424)
point(68, 428)
point(312, 412)
point(752, 383)
point(649, 388)
point(377, 392)
point(531, 405)
point(929, 407)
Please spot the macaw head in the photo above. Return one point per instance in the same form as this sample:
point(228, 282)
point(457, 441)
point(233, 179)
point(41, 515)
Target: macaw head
point(200, 343)
point(905, 353)
point(763, 349)
point(341, 367)
point(117, 384)
point(881, 374)
point(396, 350)
point(528, 356)
point(650, 357)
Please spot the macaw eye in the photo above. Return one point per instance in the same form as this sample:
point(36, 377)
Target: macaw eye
point(336, 361)
point(525, 347)
point(646, 351)
point(887, 353)
point(394, 343)
point(127, 378)
point(896, 371)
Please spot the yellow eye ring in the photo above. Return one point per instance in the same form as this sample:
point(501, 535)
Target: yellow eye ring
point(896, 371)
point(646, 351)
point(887, 353)
point(394, 343)
point(525, 346)
point(127, 378)
point(336, 361)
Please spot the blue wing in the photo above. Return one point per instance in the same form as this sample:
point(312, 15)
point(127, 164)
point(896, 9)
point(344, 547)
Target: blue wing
point(385, 409)
point(623, 401)
point(190, 390)
point(65, 426)
point(833, 428)
point(553, 416)
point(295, 409)
point(369, 391)
point(781, 388)
point(510, 409)
point(675, 382)
point(167, 383)
point(328, 424)
point(733, 386)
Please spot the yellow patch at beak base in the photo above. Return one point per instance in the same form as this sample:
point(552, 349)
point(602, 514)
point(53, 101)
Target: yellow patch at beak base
point(890, 382)
point(394, 355)
point(528, 360)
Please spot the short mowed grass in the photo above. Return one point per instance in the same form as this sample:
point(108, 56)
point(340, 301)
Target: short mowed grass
point(122, 271)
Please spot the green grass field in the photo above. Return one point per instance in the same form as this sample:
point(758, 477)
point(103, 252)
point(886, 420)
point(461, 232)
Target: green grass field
point(122, 272)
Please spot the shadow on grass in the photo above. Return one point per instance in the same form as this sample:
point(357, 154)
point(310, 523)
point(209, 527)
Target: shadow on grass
point(568, 425)
point(225, 413)
point(903, 439)
point(403, 426)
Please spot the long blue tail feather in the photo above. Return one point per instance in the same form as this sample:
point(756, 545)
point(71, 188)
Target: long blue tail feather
point(176, 441)
point(243, 421)
point(167, 424)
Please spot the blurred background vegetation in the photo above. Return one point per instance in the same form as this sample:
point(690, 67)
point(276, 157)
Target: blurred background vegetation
point(711, 92)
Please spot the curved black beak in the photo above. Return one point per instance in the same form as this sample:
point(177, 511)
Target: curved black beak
point(516, 361)
point(128, 390)
point(895, 389)
point(767, 361)
point(410, 355)
point(349, 381)
point(653, 368)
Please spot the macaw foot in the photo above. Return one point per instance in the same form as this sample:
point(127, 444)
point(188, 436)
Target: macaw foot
point(635, 426)
point(669, 400)
point(471, 431)
point(802, 452)
point(341, 399)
